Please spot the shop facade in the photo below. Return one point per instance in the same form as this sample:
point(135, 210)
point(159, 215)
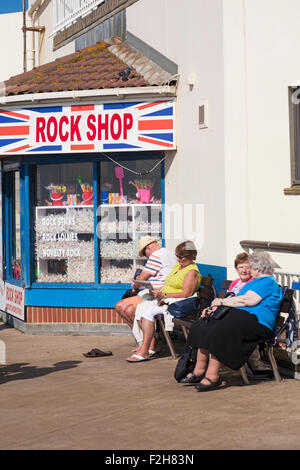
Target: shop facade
point(81, 183)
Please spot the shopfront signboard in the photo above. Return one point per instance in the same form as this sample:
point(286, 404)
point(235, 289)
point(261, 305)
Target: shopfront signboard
point(101, 127)
point(14, 297)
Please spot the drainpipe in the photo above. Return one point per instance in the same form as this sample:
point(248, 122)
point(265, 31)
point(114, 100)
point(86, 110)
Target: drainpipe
point(24, 37)
point(32, 29)
point(31, 48)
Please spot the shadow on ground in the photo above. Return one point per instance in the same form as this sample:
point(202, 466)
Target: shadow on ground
point(24, 370)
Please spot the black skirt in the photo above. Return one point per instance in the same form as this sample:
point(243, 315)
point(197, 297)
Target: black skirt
point(231, 339)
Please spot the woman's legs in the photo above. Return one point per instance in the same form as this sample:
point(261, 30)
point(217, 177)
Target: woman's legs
point(148, 329)
point(206, 364)
point(212, 371)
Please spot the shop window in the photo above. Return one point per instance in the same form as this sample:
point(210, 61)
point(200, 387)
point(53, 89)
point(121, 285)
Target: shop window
point(64, 223)
point(130, 207)
point(13, 234)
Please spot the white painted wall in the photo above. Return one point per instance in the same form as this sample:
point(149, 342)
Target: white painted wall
point(11, 40)
point(261, 42)
point(190, 34)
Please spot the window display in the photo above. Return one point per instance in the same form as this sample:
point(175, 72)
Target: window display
point(64, 223)
point(16, 234)
point(130, 207)
point(130, 194)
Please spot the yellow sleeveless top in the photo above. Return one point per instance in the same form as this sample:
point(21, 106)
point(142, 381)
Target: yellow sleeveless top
point(174, 280)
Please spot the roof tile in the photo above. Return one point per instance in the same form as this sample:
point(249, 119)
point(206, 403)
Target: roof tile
point(95, 67)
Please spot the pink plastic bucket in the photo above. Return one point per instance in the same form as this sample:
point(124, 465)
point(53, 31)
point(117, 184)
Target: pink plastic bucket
point(145, 195)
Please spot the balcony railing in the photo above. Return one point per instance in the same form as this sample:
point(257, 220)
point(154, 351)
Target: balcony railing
point(283, 277)
point(67, 12)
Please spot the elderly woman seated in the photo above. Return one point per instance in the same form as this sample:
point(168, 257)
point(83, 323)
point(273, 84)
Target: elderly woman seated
point(241, 264)
point(231, 339)
point(182, 282)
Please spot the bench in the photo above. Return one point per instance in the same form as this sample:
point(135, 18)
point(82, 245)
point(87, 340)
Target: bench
point(205, 294)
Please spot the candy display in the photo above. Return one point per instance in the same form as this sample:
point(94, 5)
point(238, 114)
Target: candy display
point(65, 237)
point(73, 199)
point(66, 228)
point(79, 220)
point(114, 274)
point(112, 249)
point(113, 198)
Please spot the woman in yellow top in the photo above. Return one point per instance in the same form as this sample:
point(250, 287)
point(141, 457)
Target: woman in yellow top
point(182, 282)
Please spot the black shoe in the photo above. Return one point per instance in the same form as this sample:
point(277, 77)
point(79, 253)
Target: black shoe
point(213, 385)
point(193, 379)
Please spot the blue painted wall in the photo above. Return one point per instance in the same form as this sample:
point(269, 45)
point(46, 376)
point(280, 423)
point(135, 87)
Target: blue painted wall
point(219, 273)
point(104, 297)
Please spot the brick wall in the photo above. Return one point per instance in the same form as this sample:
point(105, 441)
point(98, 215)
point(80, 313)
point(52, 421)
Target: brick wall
point(72, 315)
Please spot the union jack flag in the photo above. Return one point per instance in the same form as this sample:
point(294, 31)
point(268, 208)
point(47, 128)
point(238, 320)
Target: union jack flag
point(65, 129)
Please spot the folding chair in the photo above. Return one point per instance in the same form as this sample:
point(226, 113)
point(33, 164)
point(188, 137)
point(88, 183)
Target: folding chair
point(206, 293)
point(287, 309)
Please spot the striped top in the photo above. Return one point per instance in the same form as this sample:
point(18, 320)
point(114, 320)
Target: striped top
point(159, 265)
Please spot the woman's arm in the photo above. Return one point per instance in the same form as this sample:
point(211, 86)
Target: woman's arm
point(188, 287)
point(247, 300)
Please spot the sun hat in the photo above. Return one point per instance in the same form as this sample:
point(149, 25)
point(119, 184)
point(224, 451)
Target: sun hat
point(145, 241)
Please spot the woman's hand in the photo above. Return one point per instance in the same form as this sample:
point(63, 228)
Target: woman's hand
point(207, 311)
point(246, 300)
point(157, 293)
point(217, 302)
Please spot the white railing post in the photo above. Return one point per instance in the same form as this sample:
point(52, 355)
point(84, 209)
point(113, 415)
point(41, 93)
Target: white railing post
point(67, 12)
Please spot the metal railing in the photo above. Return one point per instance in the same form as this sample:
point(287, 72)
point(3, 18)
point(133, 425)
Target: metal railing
point(66, 12)
point(283, 277)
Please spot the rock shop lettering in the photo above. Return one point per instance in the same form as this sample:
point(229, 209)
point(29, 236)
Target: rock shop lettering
point(13, 295)
point(78, 128)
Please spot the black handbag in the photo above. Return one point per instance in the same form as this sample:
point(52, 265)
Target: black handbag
point(221, 311)
point(184, 307)
point(186, 363)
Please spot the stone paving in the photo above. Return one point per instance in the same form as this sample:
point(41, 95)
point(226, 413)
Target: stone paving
point(52, 397)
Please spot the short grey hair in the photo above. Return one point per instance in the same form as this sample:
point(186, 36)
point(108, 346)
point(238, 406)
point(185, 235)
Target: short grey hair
point(262, 261)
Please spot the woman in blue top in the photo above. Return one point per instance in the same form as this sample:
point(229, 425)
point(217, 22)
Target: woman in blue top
point(232, 339)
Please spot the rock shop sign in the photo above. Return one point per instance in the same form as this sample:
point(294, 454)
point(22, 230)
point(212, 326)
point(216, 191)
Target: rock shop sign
point(13, 300)
point(89, 128)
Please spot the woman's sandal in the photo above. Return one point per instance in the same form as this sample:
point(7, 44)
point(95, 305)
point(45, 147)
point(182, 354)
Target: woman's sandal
point(97, 353)
point(137, 358)
point(152, 352)
point(213, 385)
point(193, 379)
